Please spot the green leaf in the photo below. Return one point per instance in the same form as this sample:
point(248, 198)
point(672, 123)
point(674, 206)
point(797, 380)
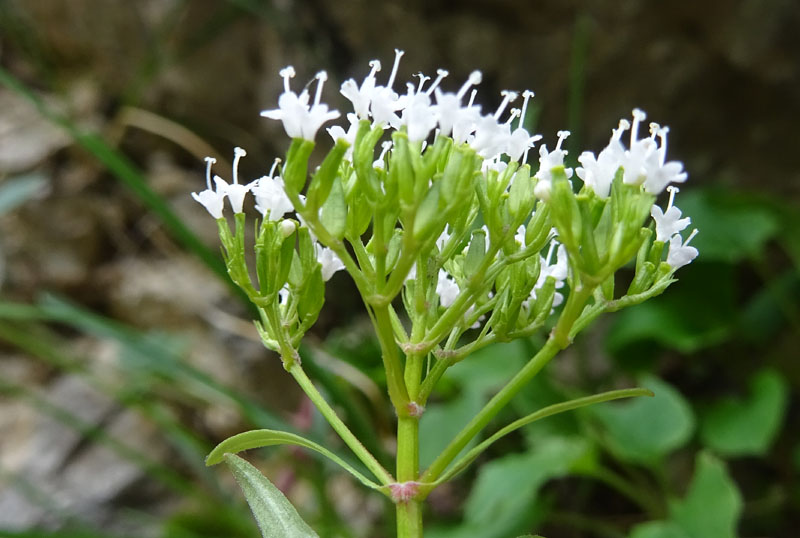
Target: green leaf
point(275, 515)
point(736, 427)
point(550, 410)
point(711, 507)
point(658, 529)
point(732, 226)
point(647, 429)
point(263, 438)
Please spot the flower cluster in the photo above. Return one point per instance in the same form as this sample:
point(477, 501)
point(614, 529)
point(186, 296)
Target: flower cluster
point(492, 146)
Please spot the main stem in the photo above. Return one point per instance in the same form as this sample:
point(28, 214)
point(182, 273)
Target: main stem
point(409, 511)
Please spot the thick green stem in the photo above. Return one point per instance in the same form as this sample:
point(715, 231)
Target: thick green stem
point(408, 507)
point(391, 359)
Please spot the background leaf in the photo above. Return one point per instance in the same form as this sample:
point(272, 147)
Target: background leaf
point(736, 427)
point(644, 430)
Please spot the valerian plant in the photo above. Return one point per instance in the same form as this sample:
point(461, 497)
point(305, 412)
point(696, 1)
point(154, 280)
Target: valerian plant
point(453, 240)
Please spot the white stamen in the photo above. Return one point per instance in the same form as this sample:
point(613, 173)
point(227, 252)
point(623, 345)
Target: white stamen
point(514, 114)
point(472, 98)
point(550, 253)
point(691, 236)
point(274, 166)
point(526, 96)
point(287, 73)
point(422, 80)
point(662, 135)
point(508, 97)
point(654, 128)
point(209, 162)
point(562, 135)
point(385, 147)
point(672, 190)
point(321, 77)
point(638, 117)
point(375, 66)
point(474, 79)
point(238, 153)
point(440, 74)
point(397, 55)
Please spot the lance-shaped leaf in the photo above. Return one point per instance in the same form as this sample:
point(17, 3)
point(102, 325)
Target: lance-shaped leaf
point(275, 515)
point(263, 438)
point(562, 407)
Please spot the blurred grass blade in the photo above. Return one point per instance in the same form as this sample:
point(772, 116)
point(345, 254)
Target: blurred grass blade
point(126, 172)
point(264, 438)
point(16, 191)
point(275, 515)
point(550, 410)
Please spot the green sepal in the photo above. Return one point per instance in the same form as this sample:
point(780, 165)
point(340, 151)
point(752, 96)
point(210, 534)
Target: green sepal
point(323, 179)
point(429, 214)
point(393, 248)
point(538, 229)
point(566, 214)
point(311, 298)
point(364, 156)
point(475, 253)
point(295, 170)
point(520, 197)
point(334, 211)
point(643, 278)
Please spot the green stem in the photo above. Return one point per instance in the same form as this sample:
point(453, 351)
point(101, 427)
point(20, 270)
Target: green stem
point(398, 392)
point(409, 512)
point(339, 427)
point(559, 339)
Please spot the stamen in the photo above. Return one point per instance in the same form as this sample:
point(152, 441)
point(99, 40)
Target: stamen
point(385, 147)
point(526, 96)
point(274, 166)
point(638, 117)
point(672, 190)
point(474, 79)
point(209, 162)
point(397, 55)
point(691, 236)
point(562, 135)
point(440, 74)
point(662, 135)
point(472, 98)
point(508, 97)
point(321, 77)
point(238, 153)
point(287, 73)
point(514, 113)
point(550, 253)
point(422, 80)
point(375, 66)
point(654, 128)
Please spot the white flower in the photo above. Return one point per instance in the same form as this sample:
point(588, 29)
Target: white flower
point(491, 136)
point(361, 97)
point(299, 120)
point(446, 289)
point(599, 173)
point(557, 270)
point(338, 133)
point(384, 102)
point(519, 237)
point(379, 162)
point(547, 161)
point(329, 260)
point(681, 254)
point(211, 199)
point(271, 200)
point(669, 222)
point(520, 141)
point(235, 191)
point(448, 106)
point(418, 115)
point(661, 173)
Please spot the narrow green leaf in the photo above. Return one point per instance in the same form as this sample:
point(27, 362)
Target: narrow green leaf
point(550, 410)
point(275, 515)
point(263, 438)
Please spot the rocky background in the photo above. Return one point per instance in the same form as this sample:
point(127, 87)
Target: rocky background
point(165, 82)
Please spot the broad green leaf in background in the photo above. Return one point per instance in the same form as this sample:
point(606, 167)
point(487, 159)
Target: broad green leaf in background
point(733, 226)
point(275, 515)
point(711, 507)
point(744, 427)
point(503, 500)
point(700, 311)
point(645, 430)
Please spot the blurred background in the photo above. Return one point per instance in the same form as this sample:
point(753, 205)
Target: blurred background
point(125, 354)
